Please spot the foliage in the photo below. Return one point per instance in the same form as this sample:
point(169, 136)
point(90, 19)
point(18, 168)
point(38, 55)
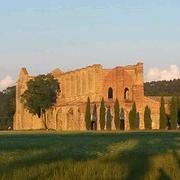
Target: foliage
point(7, 107)
point(163, 117)
point(102, 114)
point(109, 120)
point(132, 117)
point(174, 114)
point(88, 115)
point(41, 94)
point(117, 114)
point(147, 118)
point(162, 88)
point(64, 155)
point(94, 117)
point(178, 110)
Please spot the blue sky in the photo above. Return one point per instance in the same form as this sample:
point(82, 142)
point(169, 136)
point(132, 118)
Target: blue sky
point(44, 34)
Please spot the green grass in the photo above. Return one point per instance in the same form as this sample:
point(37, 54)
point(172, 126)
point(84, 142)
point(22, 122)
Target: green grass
point(56, 155)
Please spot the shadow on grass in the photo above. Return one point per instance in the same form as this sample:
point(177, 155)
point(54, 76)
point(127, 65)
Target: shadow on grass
point(138, 158)
point(53, 147)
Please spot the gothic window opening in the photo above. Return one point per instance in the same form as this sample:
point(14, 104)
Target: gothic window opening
point(126, 94)
point(110, 93)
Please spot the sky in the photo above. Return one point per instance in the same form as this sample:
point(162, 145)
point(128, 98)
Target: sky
point(42, 35)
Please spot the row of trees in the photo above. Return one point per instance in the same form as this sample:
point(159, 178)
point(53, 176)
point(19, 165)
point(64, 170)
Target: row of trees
point(171, 121)
point(162, 88)
point(106, 117)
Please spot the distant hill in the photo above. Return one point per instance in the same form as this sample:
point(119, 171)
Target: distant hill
point(162, 88)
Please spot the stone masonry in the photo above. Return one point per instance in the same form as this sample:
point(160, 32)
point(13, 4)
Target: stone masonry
point(125, 83)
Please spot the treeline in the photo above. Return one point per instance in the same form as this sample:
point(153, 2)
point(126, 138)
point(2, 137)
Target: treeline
point(162, 88)
point(166, 121)
point(7, 107)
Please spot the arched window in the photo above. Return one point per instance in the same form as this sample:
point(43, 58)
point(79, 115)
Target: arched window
point(110, 93)
point(126, 94)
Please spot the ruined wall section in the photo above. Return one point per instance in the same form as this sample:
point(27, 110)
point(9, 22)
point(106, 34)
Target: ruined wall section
point(78, 85)
point(137, 74)
point(128, 78)
point(23, 119)
point(155, 111)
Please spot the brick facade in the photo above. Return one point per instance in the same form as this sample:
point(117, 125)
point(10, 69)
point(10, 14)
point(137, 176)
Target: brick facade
point(125, 83)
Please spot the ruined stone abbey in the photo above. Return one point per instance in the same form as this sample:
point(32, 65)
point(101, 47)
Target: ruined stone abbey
point(124, 83)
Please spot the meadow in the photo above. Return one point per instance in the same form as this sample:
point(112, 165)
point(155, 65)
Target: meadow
point(92, 155)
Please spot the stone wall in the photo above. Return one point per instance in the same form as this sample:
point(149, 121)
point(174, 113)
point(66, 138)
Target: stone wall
point(126, 84)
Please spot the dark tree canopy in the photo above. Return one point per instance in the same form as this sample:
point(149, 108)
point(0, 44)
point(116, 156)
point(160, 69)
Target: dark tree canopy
point(117, 114)
point(41, 94)
point(102, 114)
point(7, 107)
point(109, 120)
point(162, 88)
point(147, 118)
point(132, 117)
point(174, 113)
point(163, 117)
point(88, 114)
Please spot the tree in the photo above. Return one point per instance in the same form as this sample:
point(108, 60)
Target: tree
point(41, 95)
point(117, 114)
point(173, 113)
point(132, 117)
point(7, 107)
point(109, 119)
point(163, 117)
point(147, 118)
point(102, 114)
point(162, 88)
point(88, 115)
point(94, 125)
point(178, 110)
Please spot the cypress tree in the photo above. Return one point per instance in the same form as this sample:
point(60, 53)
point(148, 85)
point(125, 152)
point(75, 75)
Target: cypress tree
point(132, 117)
point(117, 114)
point(94, 117)
point(173, 113)
point(147, 118)
point(108, 120)
point(102, 114)
point(163, 117)
point(88, 115)
point(178, 110)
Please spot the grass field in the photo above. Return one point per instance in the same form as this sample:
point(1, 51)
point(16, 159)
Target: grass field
point(53, 155)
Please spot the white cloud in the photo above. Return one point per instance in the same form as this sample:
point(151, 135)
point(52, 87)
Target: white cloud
point(156, 74)
point(7, 81)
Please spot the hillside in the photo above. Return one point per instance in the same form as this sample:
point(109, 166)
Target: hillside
point(162, 88)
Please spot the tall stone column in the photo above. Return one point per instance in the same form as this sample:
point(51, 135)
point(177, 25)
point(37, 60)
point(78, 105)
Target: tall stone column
point(69, 86)
point(78, 85)
point(65, 87)
point(94, 81)
point(72, 87)
point(81, 83)
point(87, 80)
point(84, 84)
point(75, 85)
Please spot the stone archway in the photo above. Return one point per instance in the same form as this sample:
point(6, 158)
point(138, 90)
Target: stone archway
point(69, 117)
point(59, 120)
